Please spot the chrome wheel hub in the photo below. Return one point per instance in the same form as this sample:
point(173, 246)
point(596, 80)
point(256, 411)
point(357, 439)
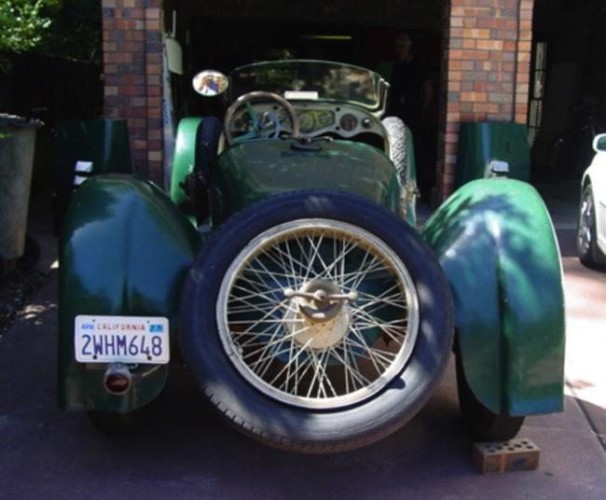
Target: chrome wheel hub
point(318, 316)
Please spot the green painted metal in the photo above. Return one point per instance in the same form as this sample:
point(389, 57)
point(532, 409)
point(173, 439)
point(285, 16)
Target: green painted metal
point(496, 243)
point(184, 158)
point(104, 143)
point(255, 170)
point(482, 142)
point(124, 250)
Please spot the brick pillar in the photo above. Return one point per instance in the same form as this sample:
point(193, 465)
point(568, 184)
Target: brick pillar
point(486, 69)
point(132, 66)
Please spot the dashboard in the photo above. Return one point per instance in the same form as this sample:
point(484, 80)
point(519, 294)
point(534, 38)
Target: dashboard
point(315, 119)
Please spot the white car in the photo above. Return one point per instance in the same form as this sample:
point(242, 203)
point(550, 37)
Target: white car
point(591, 240)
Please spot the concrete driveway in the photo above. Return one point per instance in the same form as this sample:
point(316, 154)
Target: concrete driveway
point(187, 452)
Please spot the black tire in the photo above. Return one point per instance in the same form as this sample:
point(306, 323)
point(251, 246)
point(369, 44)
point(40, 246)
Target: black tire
point(398, 153)
point(397, 135)
point(118, 424)
point(482, 424)
point(296, 416)
point(587, 248)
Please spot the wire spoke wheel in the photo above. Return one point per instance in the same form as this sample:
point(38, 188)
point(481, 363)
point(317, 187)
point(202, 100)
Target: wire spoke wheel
point(318, 313)
point(316, 321)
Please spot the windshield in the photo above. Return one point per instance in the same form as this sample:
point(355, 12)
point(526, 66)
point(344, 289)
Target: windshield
point(312, 80)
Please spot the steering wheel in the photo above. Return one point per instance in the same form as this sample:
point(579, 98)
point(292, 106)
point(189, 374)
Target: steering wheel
point(260, 125)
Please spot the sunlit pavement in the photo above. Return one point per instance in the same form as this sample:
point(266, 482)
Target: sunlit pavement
point(586, 341)
point(187, 452)
point(585, 293)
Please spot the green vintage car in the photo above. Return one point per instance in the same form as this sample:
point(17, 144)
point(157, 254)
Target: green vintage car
point(283, 266)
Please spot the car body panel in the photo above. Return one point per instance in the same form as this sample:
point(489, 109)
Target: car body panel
point(124, 251)
point(596, 176)
point(184, 158)
point(252, 171)
point(497, 245)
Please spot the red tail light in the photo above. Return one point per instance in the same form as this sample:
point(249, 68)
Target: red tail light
point(118, 378)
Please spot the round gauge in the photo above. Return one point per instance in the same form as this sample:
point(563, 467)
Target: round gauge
point(348, 122)
point(242, 122)
point(306, 121)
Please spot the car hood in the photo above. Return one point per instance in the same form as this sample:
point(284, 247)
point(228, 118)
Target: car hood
point(254, 170)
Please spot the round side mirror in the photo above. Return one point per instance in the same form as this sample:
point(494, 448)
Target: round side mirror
point(210, 83)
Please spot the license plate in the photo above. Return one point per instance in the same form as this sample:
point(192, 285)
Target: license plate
point(124, 339)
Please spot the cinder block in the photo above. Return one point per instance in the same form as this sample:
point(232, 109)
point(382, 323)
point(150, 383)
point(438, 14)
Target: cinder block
point(505, 456)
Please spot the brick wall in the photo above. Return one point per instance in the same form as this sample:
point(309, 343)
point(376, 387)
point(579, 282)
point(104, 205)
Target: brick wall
point(132, 61)
point(486, 70)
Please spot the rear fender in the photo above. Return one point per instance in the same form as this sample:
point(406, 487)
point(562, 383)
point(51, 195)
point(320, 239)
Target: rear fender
point(184, 159)
point(496, 243)
point(124, 251)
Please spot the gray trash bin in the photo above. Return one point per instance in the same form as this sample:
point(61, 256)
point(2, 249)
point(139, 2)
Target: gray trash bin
point(17, 143)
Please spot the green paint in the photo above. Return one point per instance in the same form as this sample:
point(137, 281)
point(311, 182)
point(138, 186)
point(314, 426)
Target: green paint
point(124, 250)
point(496, 243)
point(255, 170)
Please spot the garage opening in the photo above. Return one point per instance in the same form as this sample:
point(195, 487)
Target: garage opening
point(227, 34)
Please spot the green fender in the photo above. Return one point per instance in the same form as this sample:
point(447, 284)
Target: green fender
point(496, 243)
point(184, 158)
point(124, 250)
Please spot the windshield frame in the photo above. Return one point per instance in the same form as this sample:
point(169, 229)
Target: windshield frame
point(312, 80)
